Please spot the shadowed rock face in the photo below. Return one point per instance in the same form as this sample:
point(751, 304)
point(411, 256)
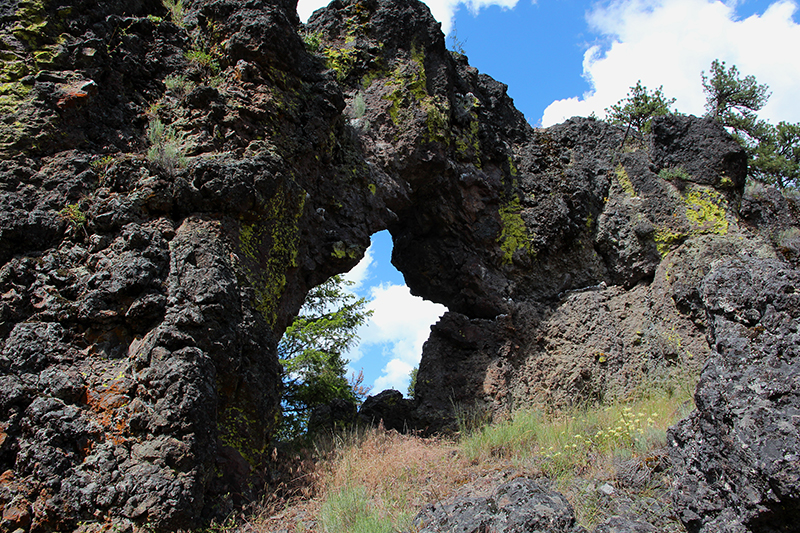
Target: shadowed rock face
point(172, 189)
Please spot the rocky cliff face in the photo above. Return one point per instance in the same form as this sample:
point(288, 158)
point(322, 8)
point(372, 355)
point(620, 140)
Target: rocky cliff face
point(172, 186)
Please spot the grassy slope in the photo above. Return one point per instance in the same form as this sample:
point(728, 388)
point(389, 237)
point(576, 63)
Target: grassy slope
point(375, 481)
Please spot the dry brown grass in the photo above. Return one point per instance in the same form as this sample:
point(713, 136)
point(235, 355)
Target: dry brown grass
point(375, 481)
point(396, 474)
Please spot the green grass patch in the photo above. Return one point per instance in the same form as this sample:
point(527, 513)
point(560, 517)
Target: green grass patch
point(352, 511)
point(581, 440)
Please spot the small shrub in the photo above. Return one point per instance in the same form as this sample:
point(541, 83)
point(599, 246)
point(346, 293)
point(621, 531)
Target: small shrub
point(359, 105)
point(101, 165)
point(154, 108)
point(175, 9)
point(165, 149)
point(674, 173)
point(791, 193)
point(203, 59)
point(74, 214)
point(312, 41)
point(178, 84)
point(788, 242)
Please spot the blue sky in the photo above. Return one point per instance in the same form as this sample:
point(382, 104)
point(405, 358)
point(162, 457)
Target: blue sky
point(562, 58)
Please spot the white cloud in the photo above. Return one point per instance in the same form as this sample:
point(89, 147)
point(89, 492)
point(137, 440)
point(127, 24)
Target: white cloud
point(399, 326)
point(361, 272)
point(442, 10)
point(669, 42)
point(395, 376)
point(306, 7)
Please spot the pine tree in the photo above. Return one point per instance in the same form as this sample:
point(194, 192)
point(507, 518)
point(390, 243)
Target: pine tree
point(639, 107)
point(312, 353)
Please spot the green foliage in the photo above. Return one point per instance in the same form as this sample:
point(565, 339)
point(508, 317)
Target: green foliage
point(776, 158)
point(639, 107)
point(455, 44)
point(102, 165)
point(165, 150)
point(773, 151)
point(178, 84)
point(568, 443)
point(359, 105)
point(203, 59)
point(673, 173)
point(312, 41)
point(176, 12)
point(350, 511)
point(733, 100)
point(412, 386)
point(312, 353)
point(74, 214)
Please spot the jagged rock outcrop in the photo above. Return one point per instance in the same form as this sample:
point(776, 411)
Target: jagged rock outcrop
point(608, 295)
point(737, 458)
point(142, 296)
point(172, 184)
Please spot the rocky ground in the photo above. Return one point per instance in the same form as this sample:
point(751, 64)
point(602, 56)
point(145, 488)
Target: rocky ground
point(172, 183)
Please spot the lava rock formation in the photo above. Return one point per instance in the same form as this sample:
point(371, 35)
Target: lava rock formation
point(172, 185)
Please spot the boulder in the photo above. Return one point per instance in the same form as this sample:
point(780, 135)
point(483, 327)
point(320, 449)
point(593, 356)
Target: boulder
point(516, 506)
point(390, 409)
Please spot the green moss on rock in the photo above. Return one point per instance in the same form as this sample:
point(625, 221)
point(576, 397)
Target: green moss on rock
point(624, 181)
point(705, 212)
point(15, 98)
point(341, 60)
point(666, 239)
point(269, 250)
point(514, 234)
point(244, 432)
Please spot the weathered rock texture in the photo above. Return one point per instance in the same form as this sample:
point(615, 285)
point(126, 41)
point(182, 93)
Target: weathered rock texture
point(515, 506)
point(738, 456)
point(173, 184)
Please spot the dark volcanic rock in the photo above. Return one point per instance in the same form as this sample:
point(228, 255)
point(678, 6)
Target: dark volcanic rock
point(171, 189)
point(736, 457)
point(618, 524)
point(331, 417)
point(390, 409)
point(695, 146)
point(516, 506)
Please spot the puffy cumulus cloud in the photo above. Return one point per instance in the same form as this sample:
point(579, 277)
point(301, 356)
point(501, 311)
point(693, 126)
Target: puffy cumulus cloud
point(442, 10)
point(669, 43)
point(399, 326)
point(395, 376)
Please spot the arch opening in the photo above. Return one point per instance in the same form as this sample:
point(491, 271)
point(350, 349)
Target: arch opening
point(391, 341)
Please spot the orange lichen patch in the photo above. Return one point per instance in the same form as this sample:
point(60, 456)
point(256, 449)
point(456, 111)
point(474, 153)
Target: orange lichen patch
point(3, 434)
point(109, 402)
point(6, 477)
point(16, 513)
point(75, 93)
